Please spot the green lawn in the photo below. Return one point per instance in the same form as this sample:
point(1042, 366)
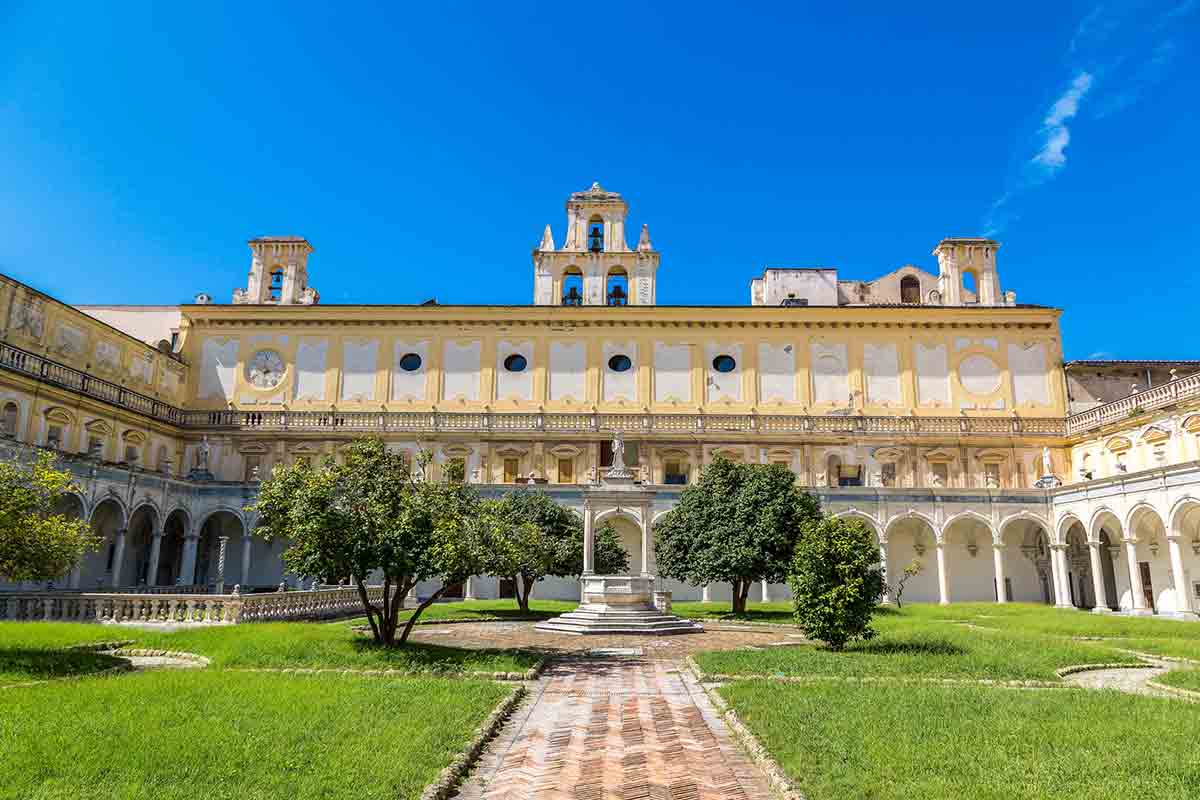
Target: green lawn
point(31, 651)
point(842, 740)
point(1183, 679)
point(722, 612)
point(182, 735)
point(490, 610)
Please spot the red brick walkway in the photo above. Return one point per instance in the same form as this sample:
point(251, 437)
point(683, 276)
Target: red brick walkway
point(596, 728)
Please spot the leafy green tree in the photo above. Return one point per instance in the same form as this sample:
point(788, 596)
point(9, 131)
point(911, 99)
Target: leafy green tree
point(37, 542)
point(737, 525)
point(914, 568)
point(374, 514)
point(836, 581)
point(529, 536)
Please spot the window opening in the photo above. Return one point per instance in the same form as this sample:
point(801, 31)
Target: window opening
point(276, 287)
point(833, 468)
point(968, 285)
point(515, 363)
point(566, 470)
point(131, 454)
point(54, 436)
point(617, 287)
point(724, 363)
point(253, 468)
point(888, 474)
point(11, 414)
point(674, 473)
point(410, 362)
point(620, 363)
point(910, 290)
point(596, 236)
point(572, 286)
point(511, 467)
point(850, 475)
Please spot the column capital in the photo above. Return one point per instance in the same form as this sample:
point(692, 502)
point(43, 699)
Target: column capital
point(158, 534)
point(998, 545)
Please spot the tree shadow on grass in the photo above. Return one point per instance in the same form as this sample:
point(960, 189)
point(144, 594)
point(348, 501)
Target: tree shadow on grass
point(917, 647)
point(30, 664)
point(424, 657)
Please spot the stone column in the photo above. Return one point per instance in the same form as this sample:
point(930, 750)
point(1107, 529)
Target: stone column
point(589, 557)
point(469, 589)
point(118, 557)
point(187, 570)
point(706, 594)
point(943, 577)
point(1064, 576)
point(998, 568)
point(1055, 577)
point(1135, 575)
point(1098, 578)
point(883, 565)
point(247, 547)
point(645, 541)
point(155, 551)
point(766, 592)
point(76, 574)
point(222, 541)
point(1183, 601)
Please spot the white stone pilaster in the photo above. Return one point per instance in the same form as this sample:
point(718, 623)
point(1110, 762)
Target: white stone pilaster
point(118, 556)
point(1183, 601)
point(943, 576)
point(998, 569)
point(1098, 577)
point(155, 553)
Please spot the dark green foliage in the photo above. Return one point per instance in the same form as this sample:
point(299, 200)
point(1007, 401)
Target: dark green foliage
point(737, 525)
point(836, 581)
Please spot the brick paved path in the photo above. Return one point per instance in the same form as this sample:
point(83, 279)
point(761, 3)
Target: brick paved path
point(597, 728)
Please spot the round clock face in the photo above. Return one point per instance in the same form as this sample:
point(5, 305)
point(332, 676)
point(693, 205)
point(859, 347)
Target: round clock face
point(266, 369)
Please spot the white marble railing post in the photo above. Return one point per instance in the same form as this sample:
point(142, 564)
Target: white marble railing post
point(1098, 577)
point(155, 551)
point(118, 556)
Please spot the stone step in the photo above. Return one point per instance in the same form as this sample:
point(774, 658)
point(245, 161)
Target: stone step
point(600, 623)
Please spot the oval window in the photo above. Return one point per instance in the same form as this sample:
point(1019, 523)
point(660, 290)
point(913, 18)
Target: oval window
point(724, 364)
point(515, 363)
point(620, 363)
point(410, 362)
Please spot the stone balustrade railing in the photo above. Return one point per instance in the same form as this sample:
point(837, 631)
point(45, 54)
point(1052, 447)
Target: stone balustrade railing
point(1118, 410)
point(182, 609)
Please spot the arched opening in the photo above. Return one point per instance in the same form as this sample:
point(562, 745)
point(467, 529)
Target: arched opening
point(1153, 559)
point(1185, 524)
point(1082, 591)
point(616, 287)
point(208, 550)
point(911, 542)
point(833, 469)
point(170, 555)
point(275, 288)
point(970, 568)
point(969, 283)
point(9, 420)
point(1108, 552)
point(629, 533)
point(910, 290)
point(139, 540)
point(1026, 558)
point(596, 235)
point(572, 287)
point(70, 506)
point(107, 518)
point(1107, 528)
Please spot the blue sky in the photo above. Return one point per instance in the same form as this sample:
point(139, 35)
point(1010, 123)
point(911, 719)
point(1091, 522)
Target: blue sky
point(422, 148)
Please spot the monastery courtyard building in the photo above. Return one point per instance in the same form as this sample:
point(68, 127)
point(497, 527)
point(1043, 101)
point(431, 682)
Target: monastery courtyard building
point(927, 402)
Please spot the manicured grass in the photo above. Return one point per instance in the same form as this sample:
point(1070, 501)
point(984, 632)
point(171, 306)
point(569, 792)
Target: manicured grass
point(276, 645)
point(755, 612)
point(1183, 679)
point(1040, 619)
point(182, 735)
point(491, 609)
point(32, 651)
point(909, 646)
point(841, 740)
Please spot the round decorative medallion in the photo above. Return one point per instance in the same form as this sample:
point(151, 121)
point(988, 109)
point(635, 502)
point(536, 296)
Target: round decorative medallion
point(979, 375)
point(265, 369)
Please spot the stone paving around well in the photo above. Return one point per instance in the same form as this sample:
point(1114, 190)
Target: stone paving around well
point(615, 728)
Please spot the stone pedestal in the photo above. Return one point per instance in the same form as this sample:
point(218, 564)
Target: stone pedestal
point(618, 605)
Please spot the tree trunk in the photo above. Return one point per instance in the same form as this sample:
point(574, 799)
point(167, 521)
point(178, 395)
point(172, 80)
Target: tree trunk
point(524, 590)
point(370, 609)
point(740, 589)
point(408, 626)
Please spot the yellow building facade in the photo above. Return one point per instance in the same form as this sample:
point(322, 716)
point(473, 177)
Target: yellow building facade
point(928, 402)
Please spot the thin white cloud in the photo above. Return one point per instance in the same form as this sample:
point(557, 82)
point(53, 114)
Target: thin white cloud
point(1055, 134)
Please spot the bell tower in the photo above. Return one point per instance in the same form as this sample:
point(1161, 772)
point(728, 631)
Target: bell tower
point(962, 257)
point(278, 273)
point(595, 265)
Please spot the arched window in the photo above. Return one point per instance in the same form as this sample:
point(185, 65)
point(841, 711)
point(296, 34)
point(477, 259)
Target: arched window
point(8, 420)
point(617, 287)
point(276, 284)
point(910, 290)
point(572, 287)
point(596, 235)
point(968, 285)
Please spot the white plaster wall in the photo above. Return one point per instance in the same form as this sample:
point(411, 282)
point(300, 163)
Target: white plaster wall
point(972, 578)
point(359, 363)
point(829, 373)
point(460, 370)
point(672, 372)
point(516, 386)
point(817, 286)
point(723, 385)
point(978, 374)
point(922, 588)
point(1023, 575)
point(881, 362)
point(933, 378)
point(311, 361)
point(568, 371)
point(218, 367)
point(777, 372)
point(150, 324)
point(410, 385)
point(1028, 368)
point(620, 385)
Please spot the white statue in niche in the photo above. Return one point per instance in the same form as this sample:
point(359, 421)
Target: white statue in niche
point(1047, 467)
